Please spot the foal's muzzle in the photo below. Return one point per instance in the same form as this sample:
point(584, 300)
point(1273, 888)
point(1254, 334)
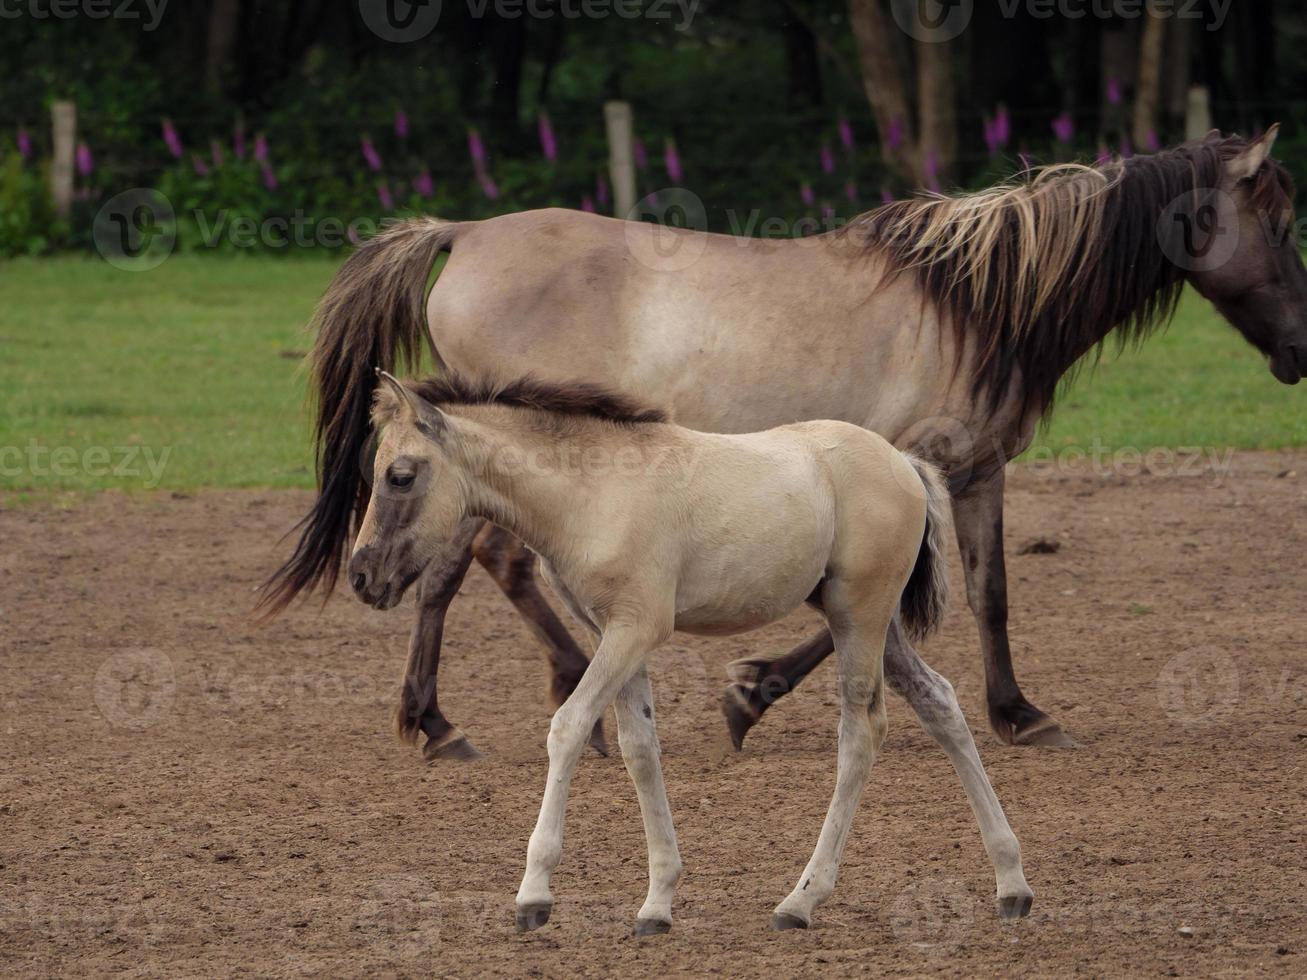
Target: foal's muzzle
point(371, 584)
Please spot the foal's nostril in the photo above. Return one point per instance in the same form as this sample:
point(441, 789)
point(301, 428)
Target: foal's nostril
point(360, 582)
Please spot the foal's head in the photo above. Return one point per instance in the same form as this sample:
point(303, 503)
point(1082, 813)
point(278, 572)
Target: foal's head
point(1242, 253)
point(405, 526)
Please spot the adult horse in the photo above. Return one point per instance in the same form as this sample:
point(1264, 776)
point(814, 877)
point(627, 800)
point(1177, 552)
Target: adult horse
point(943, 323)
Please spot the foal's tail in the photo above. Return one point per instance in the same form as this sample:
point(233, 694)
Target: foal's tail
point(925, 597)
point(373, 315)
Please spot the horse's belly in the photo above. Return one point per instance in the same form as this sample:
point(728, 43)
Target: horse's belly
point(721, 601)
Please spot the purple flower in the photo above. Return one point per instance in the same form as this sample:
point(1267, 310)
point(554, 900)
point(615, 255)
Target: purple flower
point(806, 195)
point(846, 134)
point(827, 213)
point(201, 168)
point(370, 154)
point(1151, 142)
point(24, 143)
point(827, 159)
point(1127, 150)
point(261, 148)
point(173, 140)
point(215, 151)
point(587, 204)
point(1064, 128)
point(641, 155)
point(477, 148)
point(423, 184)
point(1113, 90)
point(885, 196)
point(85, 162)
point(548, 143)
point(1002, 126)
point(894, 134)
point(269, 176)
point(851, 190)
point(385, 197)
point(401, 124)
point(991, 136)
point(672, 160)
point(238, 140)
point(488, 186)
point(601, 191)
point(352, 234)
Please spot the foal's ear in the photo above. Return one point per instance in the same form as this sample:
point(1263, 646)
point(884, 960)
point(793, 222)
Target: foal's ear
point(1251, 158)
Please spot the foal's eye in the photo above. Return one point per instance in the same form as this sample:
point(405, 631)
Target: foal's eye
point(401, 481)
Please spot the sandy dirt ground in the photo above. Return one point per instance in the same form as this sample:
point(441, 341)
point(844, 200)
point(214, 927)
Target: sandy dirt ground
point(185, 793)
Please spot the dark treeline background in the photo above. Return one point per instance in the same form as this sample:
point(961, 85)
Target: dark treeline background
point(789, 107)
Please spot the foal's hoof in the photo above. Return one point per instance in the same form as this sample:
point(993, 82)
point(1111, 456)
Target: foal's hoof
point(783, 921)
point(740, 714)
point(456, 747)
point(1014, 906)
point(530, 917)
point(651, 927)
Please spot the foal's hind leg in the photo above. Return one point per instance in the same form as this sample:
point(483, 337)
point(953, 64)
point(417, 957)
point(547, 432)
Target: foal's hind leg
point(417, 709)
point(860, 646)
point(931, 697)
point(512, 565)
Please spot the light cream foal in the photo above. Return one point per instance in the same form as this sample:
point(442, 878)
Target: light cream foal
point(644, 528)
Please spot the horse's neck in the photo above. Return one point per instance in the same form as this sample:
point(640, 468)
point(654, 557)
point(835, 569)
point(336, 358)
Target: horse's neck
point(516, 475)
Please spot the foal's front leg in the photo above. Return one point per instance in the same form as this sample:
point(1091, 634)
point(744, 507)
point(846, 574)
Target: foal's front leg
point(637, 736)
point(621, 652)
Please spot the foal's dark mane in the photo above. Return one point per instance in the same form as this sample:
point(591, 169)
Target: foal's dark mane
point(574, 398)
point(1040, 271)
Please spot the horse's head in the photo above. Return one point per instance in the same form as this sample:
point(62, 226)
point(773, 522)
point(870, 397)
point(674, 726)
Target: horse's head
point(407, 526)
point(1249, 265)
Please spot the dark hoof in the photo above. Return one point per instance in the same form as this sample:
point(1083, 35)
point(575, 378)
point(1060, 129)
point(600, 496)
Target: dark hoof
point(597, 740)
point(740, 714)
point(456, 747)
point(1021, 723)
point(783, 921)
point(1014, 906)
point(532, 917)
point(651, 927)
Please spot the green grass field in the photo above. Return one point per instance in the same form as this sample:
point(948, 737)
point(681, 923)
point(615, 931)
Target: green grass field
point(189, 376)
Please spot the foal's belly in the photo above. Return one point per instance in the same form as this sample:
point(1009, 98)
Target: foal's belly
point(721, 599)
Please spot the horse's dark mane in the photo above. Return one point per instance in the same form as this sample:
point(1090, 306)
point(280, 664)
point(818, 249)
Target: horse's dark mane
point(574, 398)
point(1039, 272)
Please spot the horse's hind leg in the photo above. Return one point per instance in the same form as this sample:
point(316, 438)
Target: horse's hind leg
point(931, 697)
point(418, 710)
point(512, 566)
point(759, 682)
point(860, 646)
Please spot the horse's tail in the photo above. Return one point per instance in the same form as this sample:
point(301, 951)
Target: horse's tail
point(371, 316)
point(925, 597)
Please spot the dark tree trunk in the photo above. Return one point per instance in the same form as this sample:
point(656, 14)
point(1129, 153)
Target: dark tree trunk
point(802, 63)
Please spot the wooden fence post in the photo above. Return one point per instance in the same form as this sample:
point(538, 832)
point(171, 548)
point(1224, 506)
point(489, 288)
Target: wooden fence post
point(621, 155)
point(63, 117)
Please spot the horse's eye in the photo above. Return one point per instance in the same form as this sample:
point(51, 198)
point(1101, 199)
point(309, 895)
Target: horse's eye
point(401, 481)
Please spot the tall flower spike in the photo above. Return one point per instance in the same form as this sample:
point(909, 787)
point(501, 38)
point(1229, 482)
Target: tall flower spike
point(261, 148)
point(827, 159)
point(401, 124)
point(171, 137)
point(85, 162)
point(24, 143)
point(370, 154)
point(846, 134)
point(548, 142)
point(672, 160)
point(477, 148)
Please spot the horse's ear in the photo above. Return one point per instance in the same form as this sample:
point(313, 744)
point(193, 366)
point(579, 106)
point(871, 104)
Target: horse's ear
point(406, 401)
point(1251, 158)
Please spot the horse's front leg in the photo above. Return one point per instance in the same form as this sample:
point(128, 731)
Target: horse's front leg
point(931, 697)
point(512, 566)
point(621, 652)
point(637, 735)
point(978, 515)
point(418, 710)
